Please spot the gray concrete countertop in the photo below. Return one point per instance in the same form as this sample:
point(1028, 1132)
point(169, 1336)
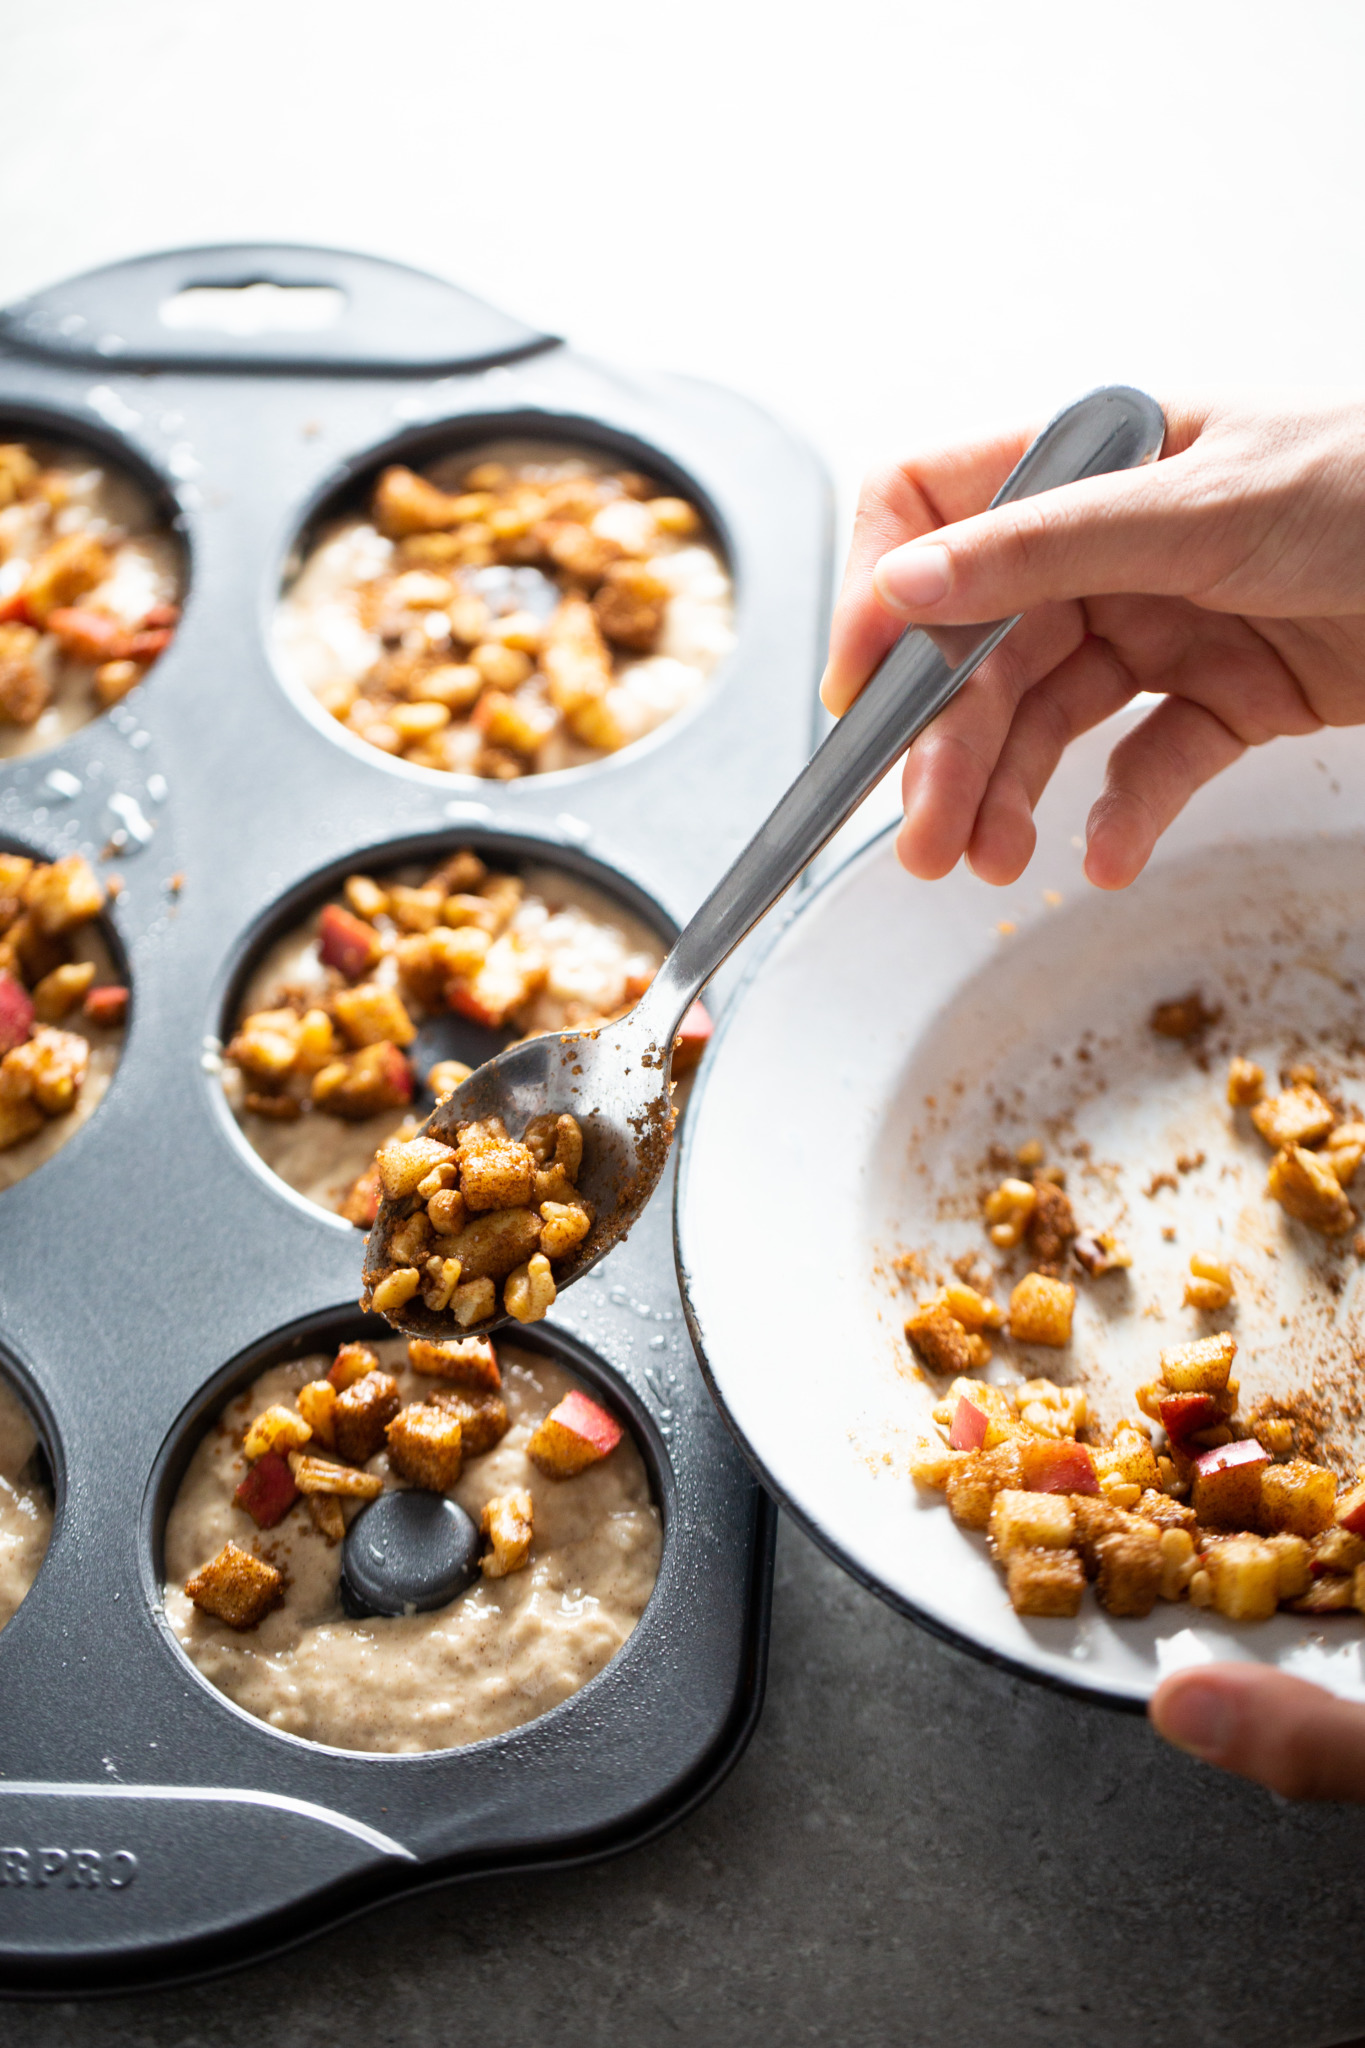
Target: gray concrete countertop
point(916, 1849)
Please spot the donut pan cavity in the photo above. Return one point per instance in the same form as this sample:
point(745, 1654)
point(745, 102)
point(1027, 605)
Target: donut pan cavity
point(148, 1829)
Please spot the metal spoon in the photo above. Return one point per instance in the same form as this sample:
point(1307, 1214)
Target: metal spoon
point(615, 1079)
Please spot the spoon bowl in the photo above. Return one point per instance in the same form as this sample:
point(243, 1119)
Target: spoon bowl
point(616, 1079)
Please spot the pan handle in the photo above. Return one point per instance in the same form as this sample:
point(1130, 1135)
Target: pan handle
point(268, 306)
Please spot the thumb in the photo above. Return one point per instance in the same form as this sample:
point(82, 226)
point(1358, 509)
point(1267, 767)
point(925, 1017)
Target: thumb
point(1139, 531)
point(1286, 1734)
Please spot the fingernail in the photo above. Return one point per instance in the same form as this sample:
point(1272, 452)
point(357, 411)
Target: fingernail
point(1199, 1718)
point(915, 575)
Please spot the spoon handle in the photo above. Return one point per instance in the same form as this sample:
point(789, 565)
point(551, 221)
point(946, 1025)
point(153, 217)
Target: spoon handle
point(1110, 429)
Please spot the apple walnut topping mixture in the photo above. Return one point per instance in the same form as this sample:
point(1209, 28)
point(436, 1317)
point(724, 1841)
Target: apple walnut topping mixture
point(484, 1211)
point(506, 617)
point(331, 1026)
point(1191, 1503)
point(45, 907)
point(349, 1436)
point(85, 603)
point(1189, 1499)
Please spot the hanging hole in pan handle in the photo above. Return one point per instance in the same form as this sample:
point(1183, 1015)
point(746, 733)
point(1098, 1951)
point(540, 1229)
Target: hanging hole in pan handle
point(266, 307)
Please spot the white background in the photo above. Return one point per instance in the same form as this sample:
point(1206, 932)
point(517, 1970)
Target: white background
point(890, 223)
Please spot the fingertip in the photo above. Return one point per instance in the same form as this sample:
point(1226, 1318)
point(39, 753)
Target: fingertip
point(1194, 1711)
point(920, 860)
point(1119, 837)
point(913, 578)
point(1001, 849)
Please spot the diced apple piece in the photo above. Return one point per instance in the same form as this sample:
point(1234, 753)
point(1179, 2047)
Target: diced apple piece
point(939, 1338)
point(1294, 1565)
point(1298, 1498)
point(1307, 1189)
point(694, 1035)
point(468, 1362)
point(1226, 1484)
point(575, 1434)
point(1131, 1569)
point(931, 1461)
point(1030, 1521)
point(426, 1446)
point(370, 1015)
point(362, 1414)
point(1182, 1414)
point(968, 1432)
point(377, 1077)
point(347, 943)
point(236, 1587)
point(1045, 1584)
point(1041, 1309)
point(1337, 1550)
point(1127, 1460)
point(977, 1478)
point(1057, 1465)
point(268, 1491)
point(1201, 1367)
point(1350, 1510)
point(403, 1166)
point(16, 1013)
point(1245, 1573)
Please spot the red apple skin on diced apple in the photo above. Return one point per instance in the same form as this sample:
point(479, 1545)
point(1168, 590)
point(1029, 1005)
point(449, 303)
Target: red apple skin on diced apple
point(461, 998)
point(1226, 1484)
point(397, 1073)
point(573, 1436)
point(346, 942)
point(694, 1035)
point(1183, 1414)
point(16, 1013)
point(1056, 1465)
point(14, 611)
point(1351, 1510)
point(268, 1491)
point(970, 1423)
point(107, 1005)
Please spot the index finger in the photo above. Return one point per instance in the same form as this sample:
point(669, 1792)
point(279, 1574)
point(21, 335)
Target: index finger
point(897, 504)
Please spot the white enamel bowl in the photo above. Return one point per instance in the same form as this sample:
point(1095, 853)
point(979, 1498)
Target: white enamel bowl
point(890, 1032)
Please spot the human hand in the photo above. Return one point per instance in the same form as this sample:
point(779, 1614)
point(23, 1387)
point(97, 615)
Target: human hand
point(1229, 576)
point(1286, 1734)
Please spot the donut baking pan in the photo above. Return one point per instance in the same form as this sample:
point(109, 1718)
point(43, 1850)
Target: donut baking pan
point(150, 1829)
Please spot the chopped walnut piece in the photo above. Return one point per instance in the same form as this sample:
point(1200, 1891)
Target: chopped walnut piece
point(1299, 1116)
point(1102, 1253)
point(630, 605)
point(276, 1429)
point(1246, 1083)
point(1344, 1150)
point(325, 1513)
point(508, 1523)
point(1209, 1286)
point(324, 1475)
point(236, 1587)
point(1007, 1210)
